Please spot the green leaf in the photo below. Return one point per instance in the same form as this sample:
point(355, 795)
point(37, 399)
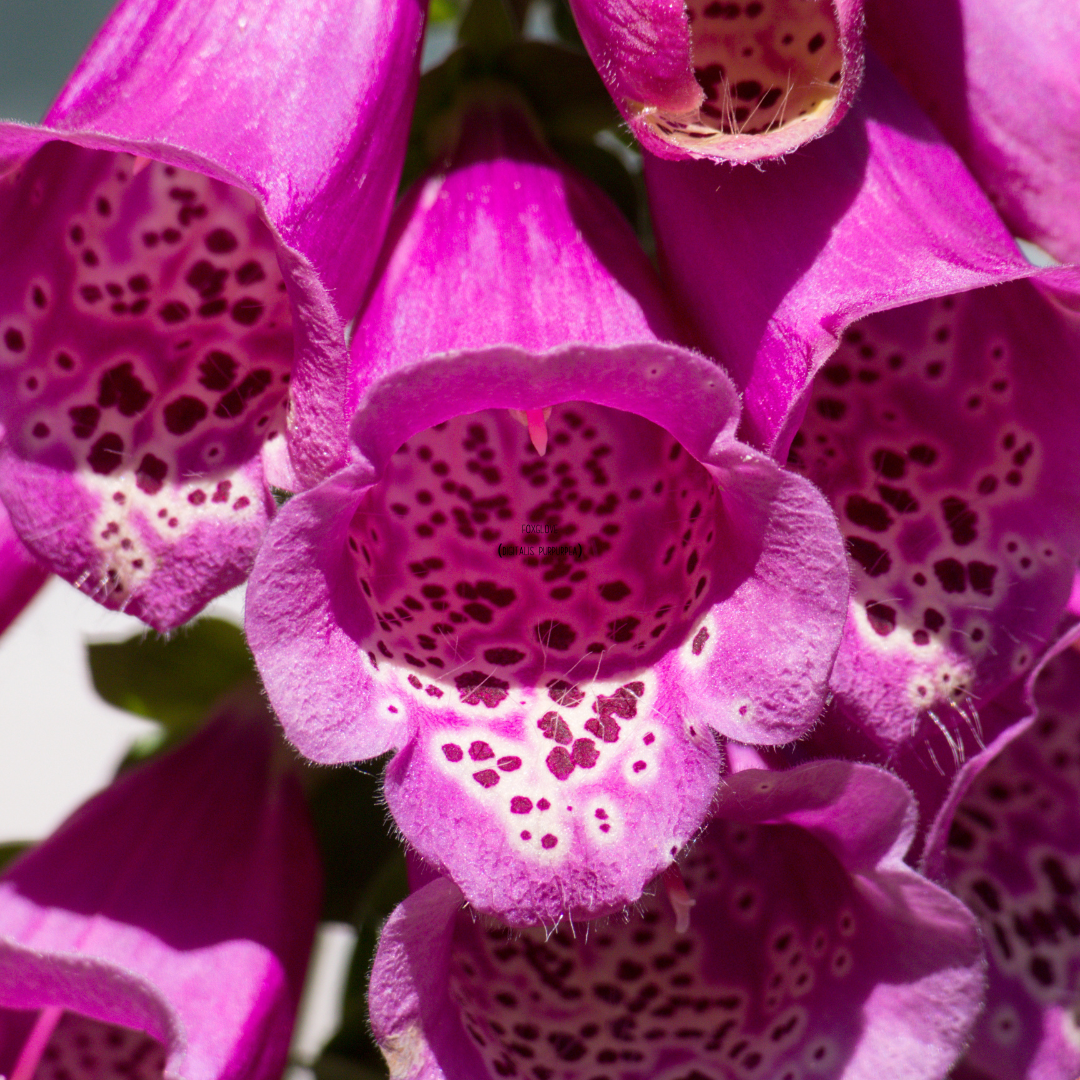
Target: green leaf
point(174, 680)
point(11, 850)
point(440, 11)
point(489, 26)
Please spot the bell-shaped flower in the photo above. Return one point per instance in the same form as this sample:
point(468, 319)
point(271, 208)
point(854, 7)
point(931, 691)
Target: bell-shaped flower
point(728, 81)
point(21, 575)
point(999, 81)
point(1012, 852)
point(183, 242)
point(929, 410)
point(797, 944)
point(164, 929)
point(552, 570)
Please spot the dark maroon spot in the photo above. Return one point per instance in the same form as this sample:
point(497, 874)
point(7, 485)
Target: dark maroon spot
point(816, 42)
point(121, 387)
point(831, 408)
point(882, 617)
point(772, 96)
point(174, 312)
point(84, 420)
point(981, 575)
point(250, 273)
point(102, 206)
point(520, 804)
point(197, 497)
point(920, 637)
point(212, 308)
point(837, 374)
point(480, 612)
point(614, 591)
point(221, 241)
point(922, 454)
point(622, 630)
point(933, 620)
point(452, 751)
point(560, 764)
point(555, 635)
point(247, 311)
point(39, 297)
point(900, 499)
point(480, 751)
point(183, 414)
point(549, 841)
point(486, 778)
point(150, 475)
point(509, 763)
point(543, 804)
point(748, 90)
point(951, 574)
point(64, 361)
point(699, 641)
point(139, 283)
point(77, 234)
point(870, 515)
point(476, 688)
point(873, 558)
point(565, 694)
point(217, 371)
point(500, 597)
point(14, 340)
point(555, 727)
point(89, 258)
point(40, 430)
point(105, 454)
point(960, 520)
point(584, 753)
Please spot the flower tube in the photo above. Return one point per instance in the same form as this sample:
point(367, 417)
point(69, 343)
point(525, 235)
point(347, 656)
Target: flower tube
point(809, 950)
point(552, 569)
point(928, 409)
point(963, 63)
point(182, 248)
point(722, 80)
point(164, 929)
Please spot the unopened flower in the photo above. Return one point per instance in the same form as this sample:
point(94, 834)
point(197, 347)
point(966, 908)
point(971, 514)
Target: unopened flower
point(183, 242)
point(938, 428)
point(810, 950)
point(164, 929)
point(722, 80)
point(552, 570)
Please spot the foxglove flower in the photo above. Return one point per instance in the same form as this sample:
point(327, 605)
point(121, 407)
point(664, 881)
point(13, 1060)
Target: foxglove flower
point(21, 575)
point(965, 63)
point(546, 638)
point(164, 929)
point(725, 80)
point(936, 428)
point(182, 246)
point(810, 950)
point(1013, 853)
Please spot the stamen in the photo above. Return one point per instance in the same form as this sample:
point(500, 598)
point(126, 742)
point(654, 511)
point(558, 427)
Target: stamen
point(35, 1044)
point(535, 420)
point(678, 897)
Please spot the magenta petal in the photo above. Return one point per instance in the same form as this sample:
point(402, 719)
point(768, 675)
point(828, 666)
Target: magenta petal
point(726, 81)
point(811, 950)
point(770, 266)
point(180, 902)
point(21, 575)
point(1014, 855)
point(963, 63)
point(166, 316)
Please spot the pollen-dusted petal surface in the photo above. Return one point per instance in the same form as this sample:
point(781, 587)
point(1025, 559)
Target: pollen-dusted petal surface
point(1014, 856)
point(762, 64)
point(792, 967)
point(936, 432)
point(145, 353)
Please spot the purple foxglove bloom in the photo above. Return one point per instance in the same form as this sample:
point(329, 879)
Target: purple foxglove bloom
point(810, 950)
point(545, 623)
point(21, 575)
point(936, 427)
point(1013, 853)
point(723, 80)
point(999, 81)
point(164, 929)
point(183, 242)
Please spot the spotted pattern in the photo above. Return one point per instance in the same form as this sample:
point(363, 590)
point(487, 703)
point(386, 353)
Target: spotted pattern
point(536, 667)
point(85, 1049)
point(146, 346)
point(919, 451)
point(738, 995)
point(763, 65)
point(1014, 858)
